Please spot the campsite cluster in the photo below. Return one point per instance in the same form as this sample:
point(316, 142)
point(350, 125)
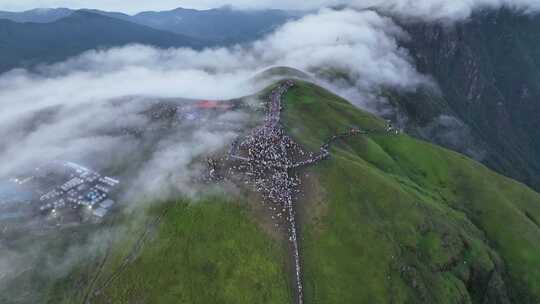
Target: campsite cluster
point(266, 160)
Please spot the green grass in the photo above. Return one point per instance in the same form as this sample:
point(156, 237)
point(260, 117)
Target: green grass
point(409, 222)
point(205, 252)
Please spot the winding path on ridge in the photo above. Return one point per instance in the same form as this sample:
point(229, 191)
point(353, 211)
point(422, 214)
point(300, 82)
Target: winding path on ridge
point(267, 160)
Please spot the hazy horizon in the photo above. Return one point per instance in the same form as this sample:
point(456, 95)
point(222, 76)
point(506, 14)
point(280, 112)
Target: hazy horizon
point(142, 6)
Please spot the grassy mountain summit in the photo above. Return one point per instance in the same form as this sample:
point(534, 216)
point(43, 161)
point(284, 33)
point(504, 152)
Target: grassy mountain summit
point(387, 219)
point(397, 220)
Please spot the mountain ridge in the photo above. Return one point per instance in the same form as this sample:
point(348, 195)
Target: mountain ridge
point(430, 213)
point(42, 43)
point(37, 15)
point(224, 25)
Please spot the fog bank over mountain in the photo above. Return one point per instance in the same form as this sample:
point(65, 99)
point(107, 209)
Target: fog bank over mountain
point(359, 44)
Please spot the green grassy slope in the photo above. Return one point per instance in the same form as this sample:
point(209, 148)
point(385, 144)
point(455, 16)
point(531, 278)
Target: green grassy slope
point(398, 220)
point(388, 219)
point(209, 251)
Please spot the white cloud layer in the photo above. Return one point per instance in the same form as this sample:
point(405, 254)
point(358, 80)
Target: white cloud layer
point(442, 9)
point(361, 45)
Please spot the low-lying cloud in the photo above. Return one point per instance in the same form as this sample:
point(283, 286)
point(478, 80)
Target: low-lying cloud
point(442, 10)
point(362, 45)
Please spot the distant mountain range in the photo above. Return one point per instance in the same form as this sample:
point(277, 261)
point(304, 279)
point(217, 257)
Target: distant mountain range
point(28, 44)
point(38, 15)
point(48, 35)
point(223, 25)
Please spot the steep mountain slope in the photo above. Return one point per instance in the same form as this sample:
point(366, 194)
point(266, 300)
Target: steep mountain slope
point(27, 44)
point(395, 220)
point(387, 219)
point(489, 73)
